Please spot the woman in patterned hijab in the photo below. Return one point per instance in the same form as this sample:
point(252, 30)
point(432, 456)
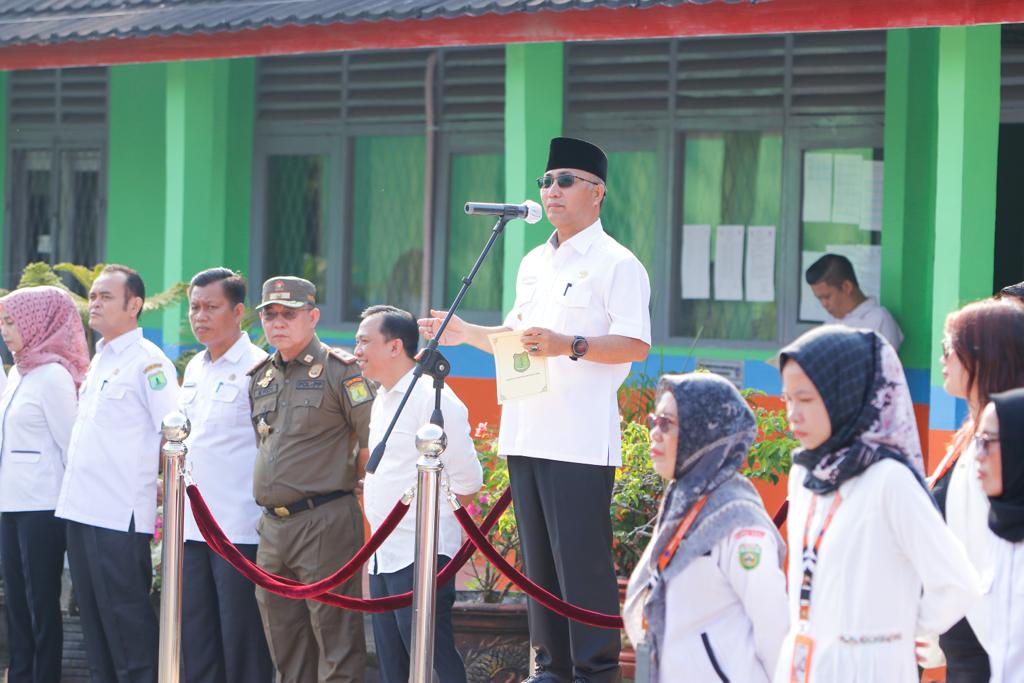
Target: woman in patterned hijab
point(707, 600)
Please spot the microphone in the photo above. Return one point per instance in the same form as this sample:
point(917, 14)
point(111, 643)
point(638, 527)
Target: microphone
point(528, 210)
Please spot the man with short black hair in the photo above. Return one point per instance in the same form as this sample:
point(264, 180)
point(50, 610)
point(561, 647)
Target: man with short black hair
point(222, 638)
point(834, 283)
point(386, 344)
point(1015, 292)
point(108, 495)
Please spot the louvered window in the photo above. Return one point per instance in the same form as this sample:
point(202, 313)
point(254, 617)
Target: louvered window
point(380, 87)
point(58, 97)
point(1012, 95)
point(816, 74)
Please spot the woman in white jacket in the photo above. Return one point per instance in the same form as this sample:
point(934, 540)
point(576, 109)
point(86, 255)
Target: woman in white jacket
point(42, 328)
point(707, 601)
point(871, 562)
point(1000, 447)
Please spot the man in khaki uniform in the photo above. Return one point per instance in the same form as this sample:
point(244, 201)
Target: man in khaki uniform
point(309, 405)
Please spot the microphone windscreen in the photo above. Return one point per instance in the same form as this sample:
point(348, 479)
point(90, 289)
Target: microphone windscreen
point(535, 213)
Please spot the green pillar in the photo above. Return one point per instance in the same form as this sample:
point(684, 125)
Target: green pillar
point(208, 174)
point(10, 278)
point(533, 115)
point(965, 171)
point(911, 120)
point(136, 173)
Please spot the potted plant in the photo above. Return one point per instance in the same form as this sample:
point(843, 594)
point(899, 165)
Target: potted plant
point(491, 630)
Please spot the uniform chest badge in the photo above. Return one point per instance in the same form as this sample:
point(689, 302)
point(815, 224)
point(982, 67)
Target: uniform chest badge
point(266, 379)
point(262, 428)
point(316, 370)
point(308, 358)
point(583, 274)
point(750, 555)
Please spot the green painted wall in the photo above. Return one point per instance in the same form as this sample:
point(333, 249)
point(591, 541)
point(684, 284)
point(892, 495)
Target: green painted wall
point(136, 173)
point(908, 237)
point(966, 161)
point(238, 203)
point(533, 115)
point(3, 166)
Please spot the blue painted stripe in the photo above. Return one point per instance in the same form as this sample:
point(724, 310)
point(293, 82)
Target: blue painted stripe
point(945, 411)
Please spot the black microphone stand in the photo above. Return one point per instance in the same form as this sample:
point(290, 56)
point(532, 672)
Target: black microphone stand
point(431, 361)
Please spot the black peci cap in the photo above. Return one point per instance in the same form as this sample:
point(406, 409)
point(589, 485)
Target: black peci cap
point(579, 154)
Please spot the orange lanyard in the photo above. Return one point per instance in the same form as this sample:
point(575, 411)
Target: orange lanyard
point(810, 553)
point(670, 550)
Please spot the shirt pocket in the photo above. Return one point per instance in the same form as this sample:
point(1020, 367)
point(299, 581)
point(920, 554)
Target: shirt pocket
point(229, 404)
point(305, 413)
point(574, 310)
point(112, 405)
point(25, 457)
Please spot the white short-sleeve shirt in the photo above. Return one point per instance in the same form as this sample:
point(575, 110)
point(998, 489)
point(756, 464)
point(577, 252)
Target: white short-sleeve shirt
point(37, 411)
point(222, 444)
point(114, 452)
point(397, 470)
point(588, 286)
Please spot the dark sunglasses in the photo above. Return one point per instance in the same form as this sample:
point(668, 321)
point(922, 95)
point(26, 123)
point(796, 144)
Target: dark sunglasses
point(564, 180)
point(289, 315)
point(662, 422)
point(982, 442)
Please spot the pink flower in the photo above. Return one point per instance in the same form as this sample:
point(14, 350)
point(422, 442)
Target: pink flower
point(483, 499)
point(473, 510)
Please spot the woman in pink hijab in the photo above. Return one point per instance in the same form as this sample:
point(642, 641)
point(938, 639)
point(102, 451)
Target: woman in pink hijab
point(43, 329)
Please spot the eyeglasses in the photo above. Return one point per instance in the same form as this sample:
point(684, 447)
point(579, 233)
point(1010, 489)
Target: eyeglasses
point(662, 422)
point(564, 181)
point(983, 442)
point(289, 314)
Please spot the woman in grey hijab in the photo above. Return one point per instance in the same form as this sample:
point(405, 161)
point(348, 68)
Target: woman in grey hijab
point(707, 602)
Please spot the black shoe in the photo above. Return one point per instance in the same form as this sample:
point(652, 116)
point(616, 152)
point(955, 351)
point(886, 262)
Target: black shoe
point(544, 677)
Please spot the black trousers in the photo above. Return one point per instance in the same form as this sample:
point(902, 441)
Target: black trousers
point(392, 631)
point(222, 637)
point(966, 659)
point(112, 572)
point(565, 534)
point(32, 550)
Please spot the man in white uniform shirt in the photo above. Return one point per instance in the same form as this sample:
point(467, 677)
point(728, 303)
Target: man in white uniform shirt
point(582, 302)
point(386, 344)
point(222, 636)
point(834, 283)
point(108, 495)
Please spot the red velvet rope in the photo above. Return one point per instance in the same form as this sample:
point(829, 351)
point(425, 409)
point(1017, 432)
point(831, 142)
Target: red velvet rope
point(289, 588)
point(781, 514)
point(541, 595)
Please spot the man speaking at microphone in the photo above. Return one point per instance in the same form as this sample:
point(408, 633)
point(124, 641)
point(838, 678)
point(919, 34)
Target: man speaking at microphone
point(582, 301)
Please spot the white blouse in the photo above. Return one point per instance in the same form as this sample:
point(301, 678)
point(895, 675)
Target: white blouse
point(888, 570)
point(1005, 608)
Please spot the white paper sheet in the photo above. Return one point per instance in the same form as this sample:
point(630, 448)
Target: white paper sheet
point(729, 263)
point(847, 188)
point(811, 310)
point(518, 375)
point(871, 209)
point(867, 264)
point(759, 268)
point(695, 269)
point(817, 188)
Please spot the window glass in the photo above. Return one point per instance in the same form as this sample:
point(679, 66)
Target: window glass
point(729, 179)
point(386, 255)
point(629, 211)
point(296, 211)
point(841, 213)
point(474, 177)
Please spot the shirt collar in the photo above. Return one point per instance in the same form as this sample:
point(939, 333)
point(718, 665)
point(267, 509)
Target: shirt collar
point(864, 306)
point(119, 344)
point(307, 356)
point(582, 240)
point(401, 385)
point(233, 354)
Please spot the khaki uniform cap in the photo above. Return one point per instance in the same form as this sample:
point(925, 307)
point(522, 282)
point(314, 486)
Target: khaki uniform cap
point(293, 292)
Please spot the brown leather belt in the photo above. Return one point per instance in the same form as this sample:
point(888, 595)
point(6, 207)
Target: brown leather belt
point(304, 504)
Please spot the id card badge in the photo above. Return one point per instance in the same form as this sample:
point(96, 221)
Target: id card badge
point(803, 648)
point(643, 662)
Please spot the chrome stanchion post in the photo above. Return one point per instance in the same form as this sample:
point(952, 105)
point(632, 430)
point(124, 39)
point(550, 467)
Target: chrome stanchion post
point(176, 428)
point(430, 442)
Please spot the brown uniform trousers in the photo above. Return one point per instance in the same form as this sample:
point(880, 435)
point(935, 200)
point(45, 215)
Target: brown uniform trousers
point(308, 414)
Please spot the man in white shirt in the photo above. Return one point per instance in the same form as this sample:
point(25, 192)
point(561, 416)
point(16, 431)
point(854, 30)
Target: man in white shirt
point(108, 495)
point(582, 302)
point(385, 349)
point(834, 283)
point(222, 636)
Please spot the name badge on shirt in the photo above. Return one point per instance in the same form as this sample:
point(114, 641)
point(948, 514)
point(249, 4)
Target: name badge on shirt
point(800, 667)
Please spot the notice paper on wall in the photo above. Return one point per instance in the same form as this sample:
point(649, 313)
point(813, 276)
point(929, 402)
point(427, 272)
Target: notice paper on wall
point(867, 264)
point(848, 188)
point(817, 188)
point(695, 268)
point(811, 310)
point(759, 269)
point(729, 263)
point(874, 182)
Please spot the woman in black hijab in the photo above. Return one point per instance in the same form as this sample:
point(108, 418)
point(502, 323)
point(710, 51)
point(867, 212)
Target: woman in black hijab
point(1000, 444)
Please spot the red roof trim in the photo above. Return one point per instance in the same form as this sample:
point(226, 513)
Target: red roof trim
point(719, 18)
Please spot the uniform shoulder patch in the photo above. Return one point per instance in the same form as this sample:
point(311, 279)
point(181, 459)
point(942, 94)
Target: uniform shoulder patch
point(342, 355)
point(254, 369)
point(157, 380)
point(749, 555)
point(358, 390)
